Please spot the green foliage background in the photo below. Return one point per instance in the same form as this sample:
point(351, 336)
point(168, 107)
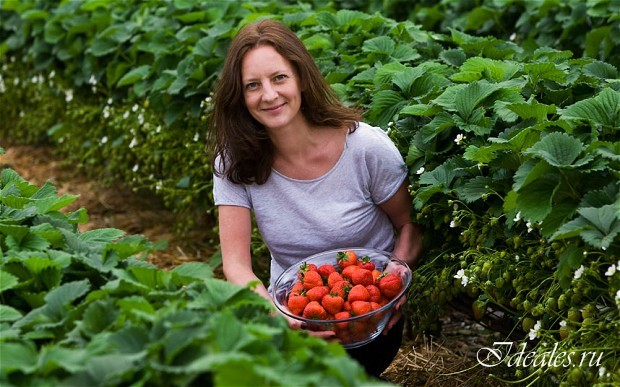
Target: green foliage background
point(506, 112)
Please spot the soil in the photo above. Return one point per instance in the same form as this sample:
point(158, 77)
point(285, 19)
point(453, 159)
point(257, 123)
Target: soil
point(448, 360)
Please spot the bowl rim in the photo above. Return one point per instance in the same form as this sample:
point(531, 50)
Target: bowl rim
point(385, 307)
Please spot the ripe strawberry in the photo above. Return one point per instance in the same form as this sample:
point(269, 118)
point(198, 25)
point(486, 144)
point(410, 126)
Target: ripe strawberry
point(314, 311)
point(348, 271)
point(346, 258)
point(375, 293)
point(366, 263)
point(305, 267)
point(325, 271)
point(390, 285)
point(312, 279)
point(375, 275)
point(359, 329)
point(333, 278)
point(346, 306)
point(341, 288)
point(341, 316)
point(297, 287)
point(358, 293)
point(332, 303)
point(362, 277)
point(317, 293)
point(297, 303)
point(360, 307)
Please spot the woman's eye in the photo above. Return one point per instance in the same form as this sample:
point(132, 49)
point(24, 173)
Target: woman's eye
point(251, 85)
point(281, 77)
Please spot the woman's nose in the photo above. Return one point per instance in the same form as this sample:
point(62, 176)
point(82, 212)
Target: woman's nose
point(269, 92)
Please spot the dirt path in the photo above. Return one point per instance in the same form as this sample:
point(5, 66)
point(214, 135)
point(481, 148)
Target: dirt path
point(114, 206)
point(443, 361)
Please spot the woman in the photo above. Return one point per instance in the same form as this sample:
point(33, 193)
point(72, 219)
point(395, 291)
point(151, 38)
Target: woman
point(315, 177)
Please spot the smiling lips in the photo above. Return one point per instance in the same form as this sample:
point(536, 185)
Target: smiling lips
point(273, 109)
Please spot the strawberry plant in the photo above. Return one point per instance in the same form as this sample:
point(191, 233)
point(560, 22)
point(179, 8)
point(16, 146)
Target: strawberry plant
point(84, 308)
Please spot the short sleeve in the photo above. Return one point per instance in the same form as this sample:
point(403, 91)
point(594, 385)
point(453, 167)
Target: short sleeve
point(386, 167)
point(227, 193)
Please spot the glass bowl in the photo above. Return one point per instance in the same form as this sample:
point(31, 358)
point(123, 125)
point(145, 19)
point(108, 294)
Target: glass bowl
point(354, 331)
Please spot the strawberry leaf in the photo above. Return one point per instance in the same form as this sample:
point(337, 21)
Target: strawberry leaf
point(535, 200)
point(560, 150)
point(602, 110)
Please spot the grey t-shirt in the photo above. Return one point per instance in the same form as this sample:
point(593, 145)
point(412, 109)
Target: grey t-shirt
point(299, 218)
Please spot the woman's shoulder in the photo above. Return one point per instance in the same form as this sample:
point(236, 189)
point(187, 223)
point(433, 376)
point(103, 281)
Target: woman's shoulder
point(366, 134)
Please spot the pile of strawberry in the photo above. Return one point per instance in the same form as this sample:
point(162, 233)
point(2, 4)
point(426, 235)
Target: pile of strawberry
point(350, 287)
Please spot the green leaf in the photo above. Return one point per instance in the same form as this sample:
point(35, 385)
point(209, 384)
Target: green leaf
point(65, 294)
point(98, 316)
point(600, 70)
point(534, 200)
point(35, 14)
point(603, 110)
point(531, 170)
point(560, 150)
point(473, 189)
point(18, 356)
point(106, 235)
point(561, 213)
point(606, 225)
point(533, 109)
point(7, 281)
point(467, 98)
point(440, 123)
point(545, 71)
point(443, 175)
point(197, 270)
point(569, 260)
point(380, 44)
point(477, 67)
point(454, 57)
point(608, 150)
point(385, 105)
point(8, 313)
point(134, 75)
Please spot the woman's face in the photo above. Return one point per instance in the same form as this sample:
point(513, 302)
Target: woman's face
point(271, 88)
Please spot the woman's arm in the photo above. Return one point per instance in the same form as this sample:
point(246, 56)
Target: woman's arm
point(409, 235)
point(235, 237)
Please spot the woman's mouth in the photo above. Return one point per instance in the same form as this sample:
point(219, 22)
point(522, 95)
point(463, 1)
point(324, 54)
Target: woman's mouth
point(273, 108)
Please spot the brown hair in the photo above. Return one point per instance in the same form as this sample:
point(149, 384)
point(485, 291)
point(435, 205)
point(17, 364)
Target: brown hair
point(242, 144)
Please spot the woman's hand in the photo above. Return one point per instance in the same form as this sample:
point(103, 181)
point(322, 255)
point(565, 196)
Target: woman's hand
point(397, 314)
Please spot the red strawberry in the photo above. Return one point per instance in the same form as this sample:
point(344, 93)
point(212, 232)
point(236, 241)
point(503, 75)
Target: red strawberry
point(325, 271)
point(347, 306)
point(305, 267)
point(333, 278)
point(341, 288)
point(360, 307)
point(362, 277)
point(314, 311)
point(390, 285)
point(348, 271)
point(297, 287)
point(332, 303)
point(312, 279)
point(317, 293)
point(375, 293)
point(346, 258)
point(366, 263)
point(358, 293)
point(297, 303)
point(341, 316)
point(375, 275)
